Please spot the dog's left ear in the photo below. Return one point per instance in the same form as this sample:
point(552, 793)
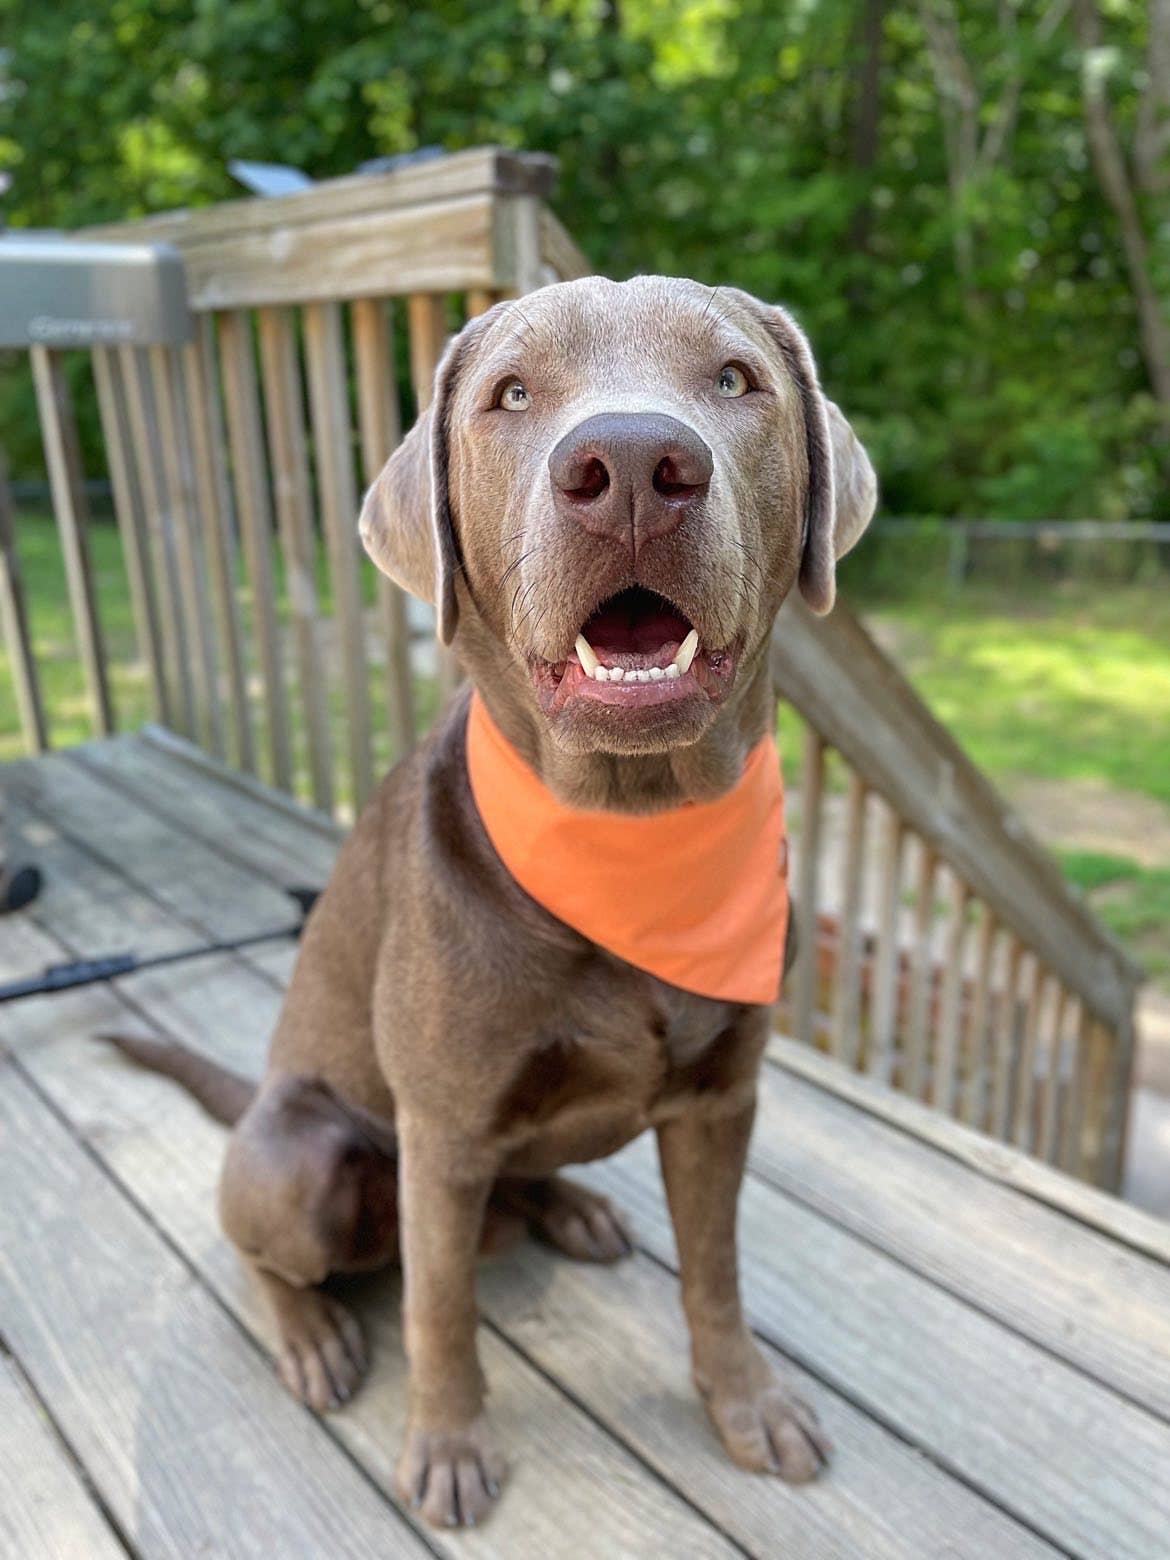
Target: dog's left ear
point(842, 486)
point(405, 523)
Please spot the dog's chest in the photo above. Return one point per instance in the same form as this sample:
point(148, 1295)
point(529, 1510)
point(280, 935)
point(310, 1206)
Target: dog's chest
point(603, 1073)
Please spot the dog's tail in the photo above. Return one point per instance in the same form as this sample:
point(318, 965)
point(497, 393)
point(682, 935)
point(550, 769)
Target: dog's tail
point(224, 1095)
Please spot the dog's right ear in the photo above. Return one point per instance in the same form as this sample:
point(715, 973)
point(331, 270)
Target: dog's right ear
point(405, 523)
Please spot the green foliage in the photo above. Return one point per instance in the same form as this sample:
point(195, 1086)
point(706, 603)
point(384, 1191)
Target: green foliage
point(981, 333)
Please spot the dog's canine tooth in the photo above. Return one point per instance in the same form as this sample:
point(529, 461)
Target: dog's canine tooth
point(686, 652)
point(585, 654)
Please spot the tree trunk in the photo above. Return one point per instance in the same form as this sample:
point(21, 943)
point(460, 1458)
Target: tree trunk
point(1113, 176)
point(866, 119)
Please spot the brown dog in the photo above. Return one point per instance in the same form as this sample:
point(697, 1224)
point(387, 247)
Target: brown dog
point(651, 452)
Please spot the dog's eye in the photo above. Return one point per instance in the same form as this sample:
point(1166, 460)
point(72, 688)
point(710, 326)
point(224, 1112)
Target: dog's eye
point(514, 397)
point(731, 381)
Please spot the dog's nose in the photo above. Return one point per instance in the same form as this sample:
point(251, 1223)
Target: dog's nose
point(629, 476)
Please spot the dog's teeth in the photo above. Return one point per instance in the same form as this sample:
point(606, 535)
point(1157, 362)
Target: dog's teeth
point(656, 674)
point(601, 674)
point(672, 670)
point(616, 674)
point(586, 656)
point(686, 652)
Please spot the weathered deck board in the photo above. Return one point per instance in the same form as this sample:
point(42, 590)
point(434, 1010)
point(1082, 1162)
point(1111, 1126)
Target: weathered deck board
point(968, 1340)
point(1024, 1264)
point(161, 1148)
point(119, 833)
point(989, 1158)
point(1062, 1453)
point(56, 1517)
point(616, 1338)
point(192, 1443)
point(228, 818)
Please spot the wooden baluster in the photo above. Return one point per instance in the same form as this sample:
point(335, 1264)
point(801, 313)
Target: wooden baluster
point(1004, 1043)
point(208, 444)
point(1050, 1079)
point(1027, 1042)
point(922, 974)
point(289, 462)
point(337, 493)
point(846, 1031)
point(1072, 1124)
point(128, 509)
point(951, 1005)
point(1118, 1096)
point(886, 973)
point(1098, 1068)
point(173, 423)
point(246, 441)
point(14, 618)
point(973, 1089)
point(807, 972)
point(67, 484)
point(380, 430)
point(138, 382)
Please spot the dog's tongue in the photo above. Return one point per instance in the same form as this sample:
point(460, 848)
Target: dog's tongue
point(635, 623)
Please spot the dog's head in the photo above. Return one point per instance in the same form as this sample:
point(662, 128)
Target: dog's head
point(616, 485)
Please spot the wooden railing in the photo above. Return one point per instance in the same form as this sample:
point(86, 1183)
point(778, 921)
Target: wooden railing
point(1010, 1007)
point(942, 950)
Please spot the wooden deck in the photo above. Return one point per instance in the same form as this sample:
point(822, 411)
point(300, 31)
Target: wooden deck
point(987, 1341)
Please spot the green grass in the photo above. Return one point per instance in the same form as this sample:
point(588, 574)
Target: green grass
point(1064, 682)
point(51, 628)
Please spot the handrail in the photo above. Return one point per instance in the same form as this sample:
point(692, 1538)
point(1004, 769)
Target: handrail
point(452, 224)
point(833, 671)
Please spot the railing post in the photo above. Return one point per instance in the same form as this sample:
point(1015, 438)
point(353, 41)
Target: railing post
point(111, 396)
point(1115, 1131)
point(337, 496)
point(380, 430)
point(812, 784)
point(14, 618)
point(63, 459)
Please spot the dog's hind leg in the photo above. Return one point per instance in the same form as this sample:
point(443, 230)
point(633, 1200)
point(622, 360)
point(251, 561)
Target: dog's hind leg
point(305, 1192)
point(321, 1357)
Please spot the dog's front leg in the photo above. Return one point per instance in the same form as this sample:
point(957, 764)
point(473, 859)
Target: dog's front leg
point(449, 1468)
point(762, 1423)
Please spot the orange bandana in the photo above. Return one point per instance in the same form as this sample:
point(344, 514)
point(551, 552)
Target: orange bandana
point(697, 896)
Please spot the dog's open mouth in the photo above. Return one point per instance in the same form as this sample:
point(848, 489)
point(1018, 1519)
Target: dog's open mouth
point(636, 650)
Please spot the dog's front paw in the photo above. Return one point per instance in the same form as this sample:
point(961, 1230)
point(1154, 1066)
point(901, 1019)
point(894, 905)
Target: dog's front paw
point(764, 1425)
point(451, 1476)
point(322, 1356)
